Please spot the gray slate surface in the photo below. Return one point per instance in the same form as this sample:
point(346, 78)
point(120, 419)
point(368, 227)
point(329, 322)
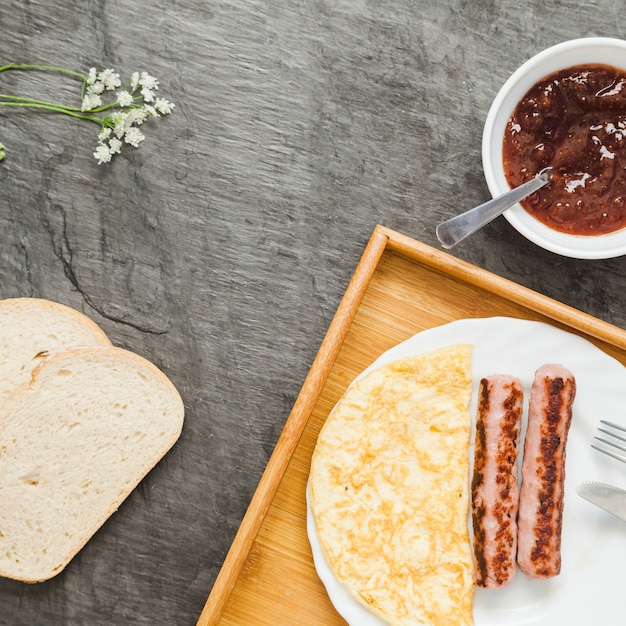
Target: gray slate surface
point(221, 247)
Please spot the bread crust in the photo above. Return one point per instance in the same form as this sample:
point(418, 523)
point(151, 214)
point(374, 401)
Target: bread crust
point(75, 441)
point(33, 329)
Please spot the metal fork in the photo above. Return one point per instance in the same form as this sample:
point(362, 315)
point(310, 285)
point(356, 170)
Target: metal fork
point(619, 436)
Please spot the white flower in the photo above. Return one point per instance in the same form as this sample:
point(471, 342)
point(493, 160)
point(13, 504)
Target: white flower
point(90, 102)
point(115, 145)
point(148, 82)
point(137, 116)
point(91, 78)
point(163, 106)
point(147, 94)
point(123, 120)
point(124, 99)
point(96, 87)
point(105, 133)
point(134, 80)
point(102, 153)
point(119, 124)
point(110, 79)
point(134, 136)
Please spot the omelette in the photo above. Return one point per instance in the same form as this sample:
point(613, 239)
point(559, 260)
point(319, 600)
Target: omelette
point(389, 489)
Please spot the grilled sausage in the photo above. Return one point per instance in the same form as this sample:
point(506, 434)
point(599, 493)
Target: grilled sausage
point(543, 472)
point(495, 493)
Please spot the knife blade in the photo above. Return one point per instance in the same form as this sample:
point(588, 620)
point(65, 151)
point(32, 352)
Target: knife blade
point(607, 497)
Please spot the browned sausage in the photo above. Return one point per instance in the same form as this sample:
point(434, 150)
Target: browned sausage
point(543, 472)
point(495, 493)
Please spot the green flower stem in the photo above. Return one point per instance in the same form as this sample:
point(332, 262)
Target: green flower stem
point(61, 108)
point(47, 68)
point(33, 101)
point(55, 108)
point(44, 68)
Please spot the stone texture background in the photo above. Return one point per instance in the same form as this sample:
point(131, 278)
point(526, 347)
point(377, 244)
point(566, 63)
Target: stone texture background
point(221, 247)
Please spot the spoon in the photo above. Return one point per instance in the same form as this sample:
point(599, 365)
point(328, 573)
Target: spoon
point(457, 228)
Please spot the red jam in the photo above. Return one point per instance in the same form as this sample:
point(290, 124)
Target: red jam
point(575, 121)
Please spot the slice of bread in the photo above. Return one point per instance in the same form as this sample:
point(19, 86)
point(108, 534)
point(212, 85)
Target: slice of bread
point(32, 329)
point(74, 442)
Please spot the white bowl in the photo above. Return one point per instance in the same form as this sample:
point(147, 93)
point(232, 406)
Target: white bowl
point(600, 50)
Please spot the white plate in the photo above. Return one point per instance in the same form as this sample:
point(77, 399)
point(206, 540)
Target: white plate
point(590, 588)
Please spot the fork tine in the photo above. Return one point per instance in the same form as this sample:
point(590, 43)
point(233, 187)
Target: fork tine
point(613, 425)
point(611, 443)
point(609, 453)
point(611, 434)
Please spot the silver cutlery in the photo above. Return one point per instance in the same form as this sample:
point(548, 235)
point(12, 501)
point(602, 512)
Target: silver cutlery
point(615, 438)
point(607, 497)
point(457, 228)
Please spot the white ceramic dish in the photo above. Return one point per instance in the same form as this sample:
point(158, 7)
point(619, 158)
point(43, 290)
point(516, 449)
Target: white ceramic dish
point(600, 50)
point(590, 586)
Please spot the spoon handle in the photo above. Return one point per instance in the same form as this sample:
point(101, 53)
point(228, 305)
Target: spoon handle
point(457, 228)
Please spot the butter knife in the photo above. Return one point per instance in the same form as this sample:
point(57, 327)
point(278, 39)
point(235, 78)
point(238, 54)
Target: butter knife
point(607, 497)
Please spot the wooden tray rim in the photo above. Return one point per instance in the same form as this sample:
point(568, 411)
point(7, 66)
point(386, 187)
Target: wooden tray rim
point(382, 239)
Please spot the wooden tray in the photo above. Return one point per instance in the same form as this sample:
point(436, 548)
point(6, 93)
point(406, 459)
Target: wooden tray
point(400, 287)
